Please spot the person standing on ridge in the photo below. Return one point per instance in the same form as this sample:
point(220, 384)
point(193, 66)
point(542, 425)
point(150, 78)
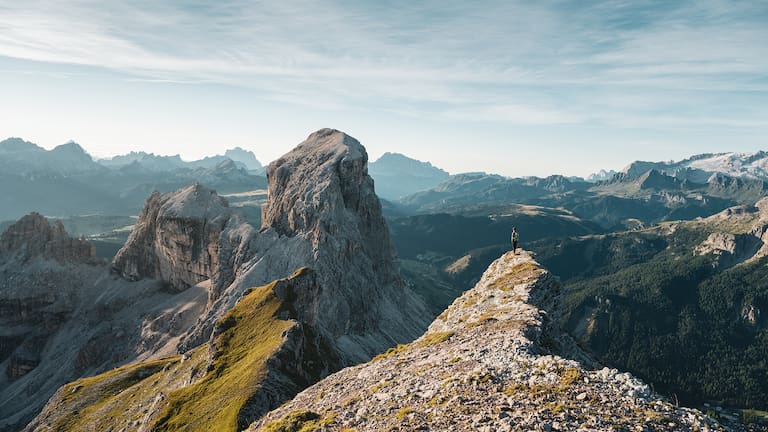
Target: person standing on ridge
point(515, 239)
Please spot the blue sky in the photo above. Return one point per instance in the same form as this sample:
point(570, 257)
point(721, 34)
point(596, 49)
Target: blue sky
point(516, 88)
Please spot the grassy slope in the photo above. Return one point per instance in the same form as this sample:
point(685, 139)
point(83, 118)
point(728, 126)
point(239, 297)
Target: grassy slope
point(253, 333)
point(249, 335)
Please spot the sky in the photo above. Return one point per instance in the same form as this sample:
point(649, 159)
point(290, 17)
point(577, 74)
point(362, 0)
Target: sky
point(511, 87)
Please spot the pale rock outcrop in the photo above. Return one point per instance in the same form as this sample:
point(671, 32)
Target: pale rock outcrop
point(181, 238)
point(750, 314)
point(490, 362)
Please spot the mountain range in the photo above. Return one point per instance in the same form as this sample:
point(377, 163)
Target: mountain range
point(149, 161)
point(66, 181)
point(297, 300)
point(700, 167)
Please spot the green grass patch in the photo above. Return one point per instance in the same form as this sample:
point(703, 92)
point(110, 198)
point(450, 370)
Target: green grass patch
point(430, 339)
point(390, 352)
point(252, 335)
point(296, 421)
point(108, 400)
point(570, 376)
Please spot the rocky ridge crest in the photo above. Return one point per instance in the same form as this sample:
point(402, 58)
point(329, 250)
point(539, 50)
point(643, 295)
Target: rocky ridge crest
point(490, 362)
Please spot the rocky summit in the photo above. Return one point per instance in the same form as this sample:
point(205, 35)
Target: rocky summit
point(491, 362)
point(317, 288)
point(322, 213)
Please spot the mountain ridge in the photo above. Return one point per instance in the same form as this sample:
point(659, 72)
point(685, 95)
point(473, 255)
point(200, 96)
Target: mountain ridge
point(488, 363)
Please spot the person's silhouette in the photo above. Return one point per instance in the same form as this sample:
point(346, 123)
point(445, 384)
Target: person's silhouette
point(515, 239)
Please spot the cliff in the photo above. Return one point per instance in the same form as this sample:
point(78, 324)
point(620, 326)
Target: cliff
point(322, 213)
point(62, 316)
point(261, 353)
point(180, 239)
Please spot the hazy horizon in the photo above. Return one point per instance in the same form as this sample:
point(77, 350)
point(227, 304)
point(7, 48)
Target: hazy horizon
point(372, 158)
point(512, 88)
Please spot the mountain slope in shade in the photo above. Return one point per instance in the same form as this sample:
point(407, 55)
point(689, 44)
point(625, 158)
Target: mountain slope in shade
point(681, 304)
point(493, 361)
point(64, 315)
point(241, 372)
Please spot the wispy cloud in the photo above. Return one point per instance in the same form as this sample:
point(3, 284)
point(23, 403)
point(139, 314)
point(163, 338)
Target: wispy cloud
point(514, 62)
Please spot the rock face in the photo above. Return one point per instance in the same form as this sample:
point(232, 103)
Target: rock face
point(66, 314)
point(322, 193)
point(33, 236)
point(322, 213)
point(180, 239)
point(489, 363)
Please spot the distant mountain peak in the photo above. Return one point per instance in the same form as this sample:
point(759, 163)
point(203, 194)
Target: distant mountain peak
point(601, 175)
point(18, 144)
point(399, 160)
point(699, 168)
point(245, 157)
point(398, 175)
point(24, 158)
point(70, 147)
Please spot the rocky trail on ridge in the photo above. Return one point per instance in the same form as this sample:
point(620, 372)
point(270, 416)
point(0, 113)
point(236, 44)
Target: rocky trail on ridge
point(488, 363)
